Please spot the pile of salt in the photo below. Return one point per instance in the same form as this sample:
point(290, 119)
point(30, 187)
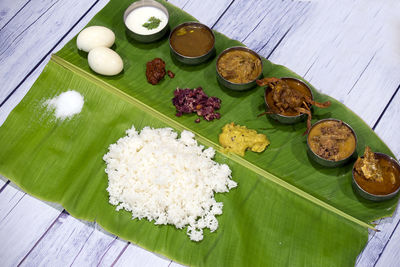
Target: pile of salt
point(66, 104)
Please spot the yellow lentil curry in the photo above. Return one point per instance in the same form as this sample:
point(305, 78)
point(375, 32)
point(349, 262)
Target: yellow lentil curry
point(237, 139)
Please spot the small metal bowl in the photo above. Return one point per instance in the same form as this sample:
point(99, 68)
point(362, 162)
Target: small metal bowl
point(146, 38)
point(188, 59)
point(326, 162)
point(284, 118)
point(238, 86)
point(374, 197)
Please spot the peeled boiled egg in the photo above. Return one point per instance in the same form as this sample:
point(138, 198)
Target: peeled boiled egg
point(105, 61)
point(95, 36)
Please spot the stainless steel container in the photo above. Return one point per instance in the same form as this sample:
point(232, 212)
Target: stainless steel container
point(238, 86)
point(374, 197)
point(331, 163)
point(146, 38)
point(283, 118)
point(192, 60)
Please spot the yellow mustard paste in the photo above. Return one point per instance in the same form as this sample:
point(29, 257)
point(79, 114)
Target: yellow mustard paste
point(236, 139)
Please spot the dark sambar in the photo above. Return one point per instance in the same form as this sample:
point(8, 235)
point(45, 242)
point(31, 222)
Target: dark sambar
point(192, 40)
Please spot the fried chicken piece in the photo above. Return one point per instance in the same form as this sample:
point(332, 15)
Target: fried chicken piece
point(369, 166)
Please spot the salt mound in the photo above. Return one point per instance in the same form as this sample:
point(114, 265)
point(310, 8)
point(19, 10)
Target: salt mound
point(67, 104)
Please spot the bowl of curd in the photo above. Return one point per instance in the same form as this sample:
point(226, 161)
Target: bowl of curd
point(146, 21)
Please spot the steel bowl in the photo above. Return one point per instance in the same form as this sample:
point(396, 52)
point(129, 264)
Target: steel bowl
point(326, 162)
point(373, 197)
point(238, 86)
point(146, 38)
point(187, 59)
point(284, 118)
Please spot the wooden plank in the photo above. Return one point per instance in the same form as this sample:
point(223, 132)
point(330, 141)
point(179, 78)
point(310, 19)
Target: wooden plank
point(3, 181)
point(8, 9)
point(9, 199)
point(242, 17)
point(391, 254)
point(22, 90)
point(101, 249)
point(73, 242)
point(36, 29)
point(60, 244)
point(174, 264)
point(274, 26)
point(357, 58)
point(178, 3)
point(206, 12)
point(263, 24)
point(389, 124)
point(136, 256)
point(23, 220)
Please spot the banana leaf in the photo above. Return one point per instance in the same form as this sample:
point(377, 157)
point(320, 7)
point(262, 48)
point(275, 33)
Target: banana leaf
point(286, 209)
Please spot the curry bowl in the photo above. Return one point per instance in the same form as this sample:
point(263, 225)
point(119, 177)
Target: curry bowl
point(238, 68)
point(377, 190)
point(192, 43)
point(273, 111)
point(331, 142)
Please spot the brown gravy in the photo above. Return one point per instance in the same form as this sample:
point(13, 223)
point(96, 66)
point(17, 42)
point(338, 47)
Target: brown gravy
point(390, 175)
point(192, 40)
point(332, 140)
point(294, 85)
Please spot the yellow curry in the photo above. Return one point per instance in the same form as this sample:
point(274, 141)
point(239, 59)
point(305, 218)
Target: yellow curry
point(332, 140)
point(236, 139)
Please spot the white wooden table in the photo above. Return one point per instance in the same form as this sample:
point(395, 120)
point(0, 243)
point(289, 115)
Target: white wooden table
point(347, 49)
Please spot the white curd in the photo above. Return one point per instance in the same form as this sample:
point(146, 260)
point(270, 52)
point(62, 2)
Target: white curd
point(141, 15)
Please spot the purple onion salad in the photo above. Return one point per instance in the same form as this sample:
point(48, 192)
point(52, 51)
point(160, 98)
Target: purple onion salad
point(196, 101)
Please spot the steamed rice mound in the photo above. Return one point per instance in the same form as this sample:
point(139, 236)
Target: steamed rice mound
point(158, 176)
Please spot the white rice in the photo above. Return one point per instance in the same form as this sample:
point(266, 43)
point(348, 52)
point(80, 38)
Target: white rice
point(170, 180)
point(66, 105)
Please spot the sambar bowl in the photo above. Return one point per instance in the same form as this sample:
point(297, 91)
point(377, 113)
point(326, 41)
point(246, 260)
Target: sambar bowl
point(189, 50)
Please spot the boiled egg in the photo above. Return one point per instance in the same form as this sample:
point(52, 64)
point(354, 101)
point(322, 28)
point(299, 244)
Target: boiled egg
point(95, 36)
point(105, 61)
